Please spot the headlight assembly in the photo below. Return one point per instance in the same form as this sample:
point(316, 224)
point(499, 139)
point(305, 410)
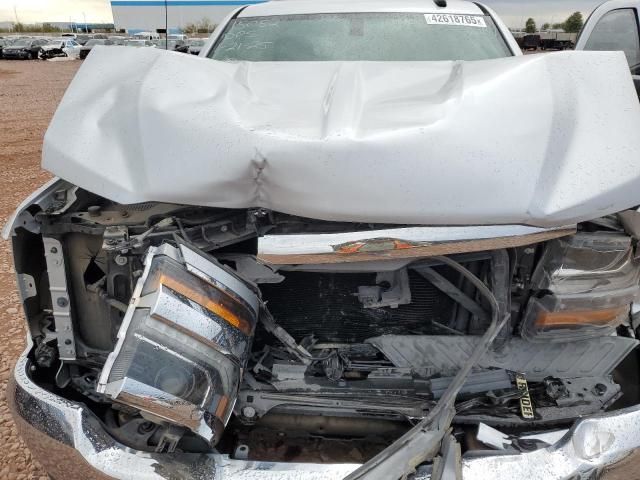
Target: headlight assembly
point(184, 342)
point(584, 287)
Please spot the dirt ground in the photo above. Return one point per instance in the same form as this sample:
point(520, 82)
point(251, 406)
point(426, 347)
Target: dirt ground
point(29, 94)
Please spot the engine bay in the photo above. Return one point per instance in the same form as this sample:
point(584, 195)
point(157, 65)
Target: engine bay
point(169, 325)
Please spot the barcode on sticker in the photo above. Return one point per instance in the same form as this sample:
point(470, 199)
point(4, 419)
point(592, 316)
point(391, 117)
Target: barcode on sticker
point(454, 19)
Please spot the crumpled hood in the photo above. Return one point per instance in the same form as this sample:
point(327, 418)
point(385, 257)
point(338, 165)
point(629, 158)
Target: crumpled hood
point(543, 140)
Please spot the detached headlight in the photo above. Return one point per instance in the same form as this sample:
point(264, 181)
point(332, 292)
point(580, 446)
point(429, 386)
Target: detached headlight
point(184, 342)
point(584, 287)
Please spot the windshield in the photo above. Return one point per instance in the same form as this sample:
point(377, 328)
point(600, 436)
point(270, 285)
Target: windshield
point(361, 36)
point(91, 43)
point(22, 43)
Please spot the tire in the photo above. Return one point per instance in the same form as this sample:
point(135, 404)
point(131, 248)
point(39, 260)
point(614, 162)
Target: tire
point(30, 55)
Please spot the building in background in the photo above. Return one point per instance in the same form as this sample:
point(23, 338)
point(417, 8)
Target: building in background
point(179, 15)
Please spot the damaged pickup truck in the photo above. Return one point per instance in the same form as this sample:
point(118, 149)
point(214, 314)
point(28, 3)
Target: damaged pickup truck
point(363, 240)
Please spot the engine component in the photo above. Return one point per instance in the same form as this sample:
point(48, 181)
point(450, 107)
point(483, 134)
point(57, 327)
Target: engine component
point(183, 343)
point(352, 404)
point(585, 286)
point(554, 400)
point(592, 357)
point(327, 305)
point(390, 393)
point(392, 289)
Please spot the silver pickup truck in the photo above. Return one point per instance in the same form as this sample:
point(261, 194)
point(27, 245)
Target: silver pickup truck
point(351, 239)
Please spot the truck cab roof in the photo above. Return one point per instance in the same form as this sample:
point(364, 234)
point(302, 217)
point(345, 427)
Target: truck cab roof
point(295, 7)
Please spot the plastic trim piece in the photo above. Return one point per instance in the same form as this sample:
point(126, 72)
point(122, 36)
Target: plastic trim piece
point(395, 243)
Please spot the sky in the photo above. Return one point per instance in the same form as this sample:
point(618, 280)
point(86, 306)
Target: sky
point(513, 12)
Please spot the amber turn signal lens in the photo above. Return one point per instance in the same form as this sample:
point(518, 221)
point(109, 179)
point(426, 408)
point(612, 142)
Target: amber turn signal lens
point(201, 298)
point(575, 318)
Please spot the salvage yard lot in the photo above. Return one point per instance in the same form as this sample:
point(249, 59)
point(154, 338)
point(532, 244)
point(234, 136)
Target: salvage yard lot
point(29, 94)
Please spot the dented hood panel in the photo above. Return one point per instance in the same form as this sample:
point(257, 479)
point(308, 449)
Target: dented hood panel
point(544, 140)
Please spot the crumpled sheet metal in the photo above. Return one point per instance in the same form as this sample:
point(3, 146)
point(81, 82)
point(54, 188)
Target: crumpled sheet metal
point(544, 140)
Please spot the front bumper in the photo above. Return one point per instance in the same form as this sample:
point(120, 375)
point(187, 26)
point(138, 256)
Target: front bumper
point(70, 442)
point(15, 55)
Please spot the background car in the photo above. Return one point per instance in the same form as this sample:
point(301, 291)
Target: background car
point(83, 38)
point(84, 51)
point(174, 45)
point(614, 26)
point(24, 49)
point(138, 43)
point(195, 45)
point(117, 39)
point(60, 47)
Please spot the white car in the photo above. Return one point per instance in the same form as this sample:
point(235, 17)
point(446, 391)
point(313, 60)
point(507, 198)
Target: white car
point(61, 47)
point(137, 43)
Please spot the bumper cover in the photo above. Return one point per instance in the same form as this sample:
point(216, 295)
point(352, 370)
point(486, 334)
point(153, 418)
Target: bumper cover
point(14, 54)
point(70, 442)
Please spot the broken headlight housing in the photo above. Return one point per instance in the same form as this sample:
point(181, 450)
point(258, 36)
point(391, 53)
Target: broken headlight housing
point(184, 342)
point(584, 287)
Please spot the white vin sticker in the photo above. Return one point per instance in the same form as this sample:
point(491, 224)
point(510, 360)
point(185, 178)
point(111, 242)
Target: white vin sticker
point(453, 19)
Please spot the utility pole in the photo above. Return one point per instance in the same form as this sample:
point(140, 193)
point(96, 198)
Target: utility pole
point(15, 13)
point(86, 29)
point(166, 25)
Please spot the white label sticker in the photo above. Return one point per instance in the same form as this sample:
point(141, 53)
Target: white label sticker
point(455, 19)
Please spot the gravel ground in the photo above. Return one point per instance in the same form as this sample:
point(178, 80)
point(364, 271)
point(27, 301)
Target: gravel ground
point(29, 94)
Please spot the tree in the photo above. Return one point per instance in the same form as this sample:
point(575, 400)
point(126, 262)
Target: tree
point(206, 26)
point(530, 26)
point(191, 28)
point(545, 26)
point(48, 28)
point(574, 23)
point(558, 26)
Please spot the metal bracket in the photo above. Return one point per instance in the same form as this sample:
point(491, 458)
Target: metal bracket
point(60, 298)
point(115, 238)
point(398, 293)
point(27, 286)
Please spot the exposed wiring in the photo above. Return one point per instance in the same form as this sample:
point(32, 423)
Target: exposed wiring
point(424, 440)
